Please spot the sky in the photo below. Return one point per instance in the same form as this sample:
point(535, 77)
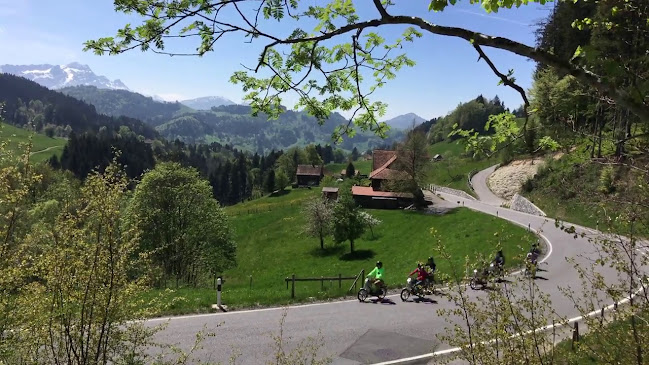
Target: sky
point(446, 73)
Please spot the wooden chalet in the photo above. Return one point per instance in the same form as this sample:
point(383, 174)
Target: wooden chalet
point(309, 175)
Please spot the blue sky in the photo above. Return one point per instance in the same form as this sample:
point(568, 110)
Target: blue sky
point(447, 71)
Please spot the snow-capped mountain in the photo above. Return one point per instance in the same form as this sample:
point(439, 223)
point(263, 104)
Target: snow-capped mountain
point(207, 102)
point(58, 76)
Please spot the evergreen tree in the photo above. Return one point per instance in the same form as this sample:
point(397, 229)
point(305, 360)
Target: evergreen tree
point(270, 181)
point(350, 171)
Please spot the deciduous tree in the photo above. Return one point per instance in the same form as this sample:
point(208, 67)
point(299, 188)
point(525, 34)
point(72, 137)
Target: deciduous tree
point(181, 223)
point(319, 213)
point(348, 222)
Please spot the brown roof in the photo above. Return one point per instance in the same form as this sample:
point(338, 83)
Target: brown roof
point(309, 170)
point(380, 157)
point(389, 174)
point(368, 191)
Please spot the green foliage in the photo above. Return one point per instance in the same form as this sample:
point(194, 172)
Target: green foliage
point(607, 180)
point(312, 156)
point(281, 180)
point(472, 115)
point(43, 147)
point(182, 224)
point(348, 222)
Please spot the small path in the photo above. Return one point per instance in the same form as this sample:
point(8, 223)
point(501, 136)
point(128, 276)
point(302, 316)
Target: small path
point(44, 150)
point(479, 183)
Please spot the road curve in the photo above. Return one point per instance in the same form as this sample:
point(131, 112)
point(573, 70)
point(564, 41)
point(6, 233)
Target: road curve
point(479, 184)
point(357, 333)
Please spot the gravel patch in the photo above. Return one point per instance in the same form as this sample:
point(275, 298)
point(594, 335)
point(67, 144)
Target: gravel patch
point(444, 189)
point(521, 204)
point(507, 180)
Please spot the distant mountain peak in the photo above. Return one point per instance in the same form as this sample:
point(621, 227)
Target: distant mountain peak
point(405, 121)
point(60, 76)
point(207, 102)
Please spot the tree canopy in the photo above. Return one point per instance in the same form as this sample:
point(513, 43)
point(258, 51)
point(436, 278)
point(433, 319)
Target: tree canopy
point(341, 61)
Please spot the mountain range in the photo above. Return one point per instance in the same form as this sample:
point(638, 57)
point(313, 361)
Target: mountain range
point(59, 76)
point(207, 102)
point(227, 124)
point(207, 119)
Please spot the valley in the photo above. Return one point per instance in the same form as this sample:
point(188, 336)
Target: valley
point(335, 182)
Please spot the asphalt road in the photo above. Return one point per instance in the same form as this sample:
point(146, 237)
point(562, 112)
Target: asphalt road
point(479, 183)
point(357, 333)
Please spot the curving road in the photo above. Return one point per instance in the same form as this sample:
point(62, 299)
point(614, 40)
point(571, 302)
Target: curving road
point(360, 333)
point(479, 183)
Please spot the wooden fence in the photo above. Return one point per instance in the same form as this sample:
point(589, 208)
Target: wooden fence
point(322, 280)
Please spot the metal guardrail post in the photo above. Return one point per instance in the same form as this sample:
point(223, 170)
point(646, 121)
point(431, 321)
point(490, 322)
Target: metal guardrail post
point(293, 287)
point(340, 281)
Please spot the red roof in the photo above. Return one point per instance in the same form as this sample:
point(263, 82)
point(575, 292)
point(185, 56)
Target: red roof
point(309, 170)
point(368, 191)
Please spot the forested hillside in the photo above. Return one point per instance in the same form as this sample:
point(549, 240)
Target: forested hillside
point(126, 103)
point(227, 124)
point(28, 103)
point(469, 115)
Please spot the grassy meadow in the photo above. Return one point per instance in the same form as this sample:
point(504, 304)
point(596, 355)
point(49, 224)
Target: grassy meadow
point(272, 246)
point(364, 166)
point(453, 169)
point(43, 146)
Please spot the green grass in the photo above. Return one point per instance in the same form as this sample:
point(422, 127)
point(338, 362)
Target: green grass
point(272, 246)
point(364, 166)
point(446, 149)
point(611, 344)
point(43, 146)
point(454, 168)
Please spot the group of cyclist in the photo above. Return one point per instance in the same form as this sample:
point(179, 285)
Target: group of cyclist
point(425, 272)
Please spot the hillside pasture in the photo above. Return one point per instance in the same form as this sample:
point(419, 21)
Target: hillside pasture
point(43, 147)
point(272, 246)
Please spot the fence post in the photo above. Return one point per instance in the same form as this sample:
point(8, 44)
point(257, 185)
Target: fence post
point(251, 282)
point(293, 287)
point(340, 281)
point(575, 336)
point(601, 319)
point(321, 282)
point(286, 282)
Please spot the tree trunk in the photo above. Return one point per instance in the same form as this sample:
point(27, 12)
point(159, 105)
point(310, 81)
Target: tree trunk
point(351, 245)
point(321, 242)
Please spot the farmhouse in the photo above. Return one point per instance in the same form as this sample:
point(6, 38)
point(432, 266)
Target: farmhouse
point(377, 195)
point(383, 169)
point(309, 175)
